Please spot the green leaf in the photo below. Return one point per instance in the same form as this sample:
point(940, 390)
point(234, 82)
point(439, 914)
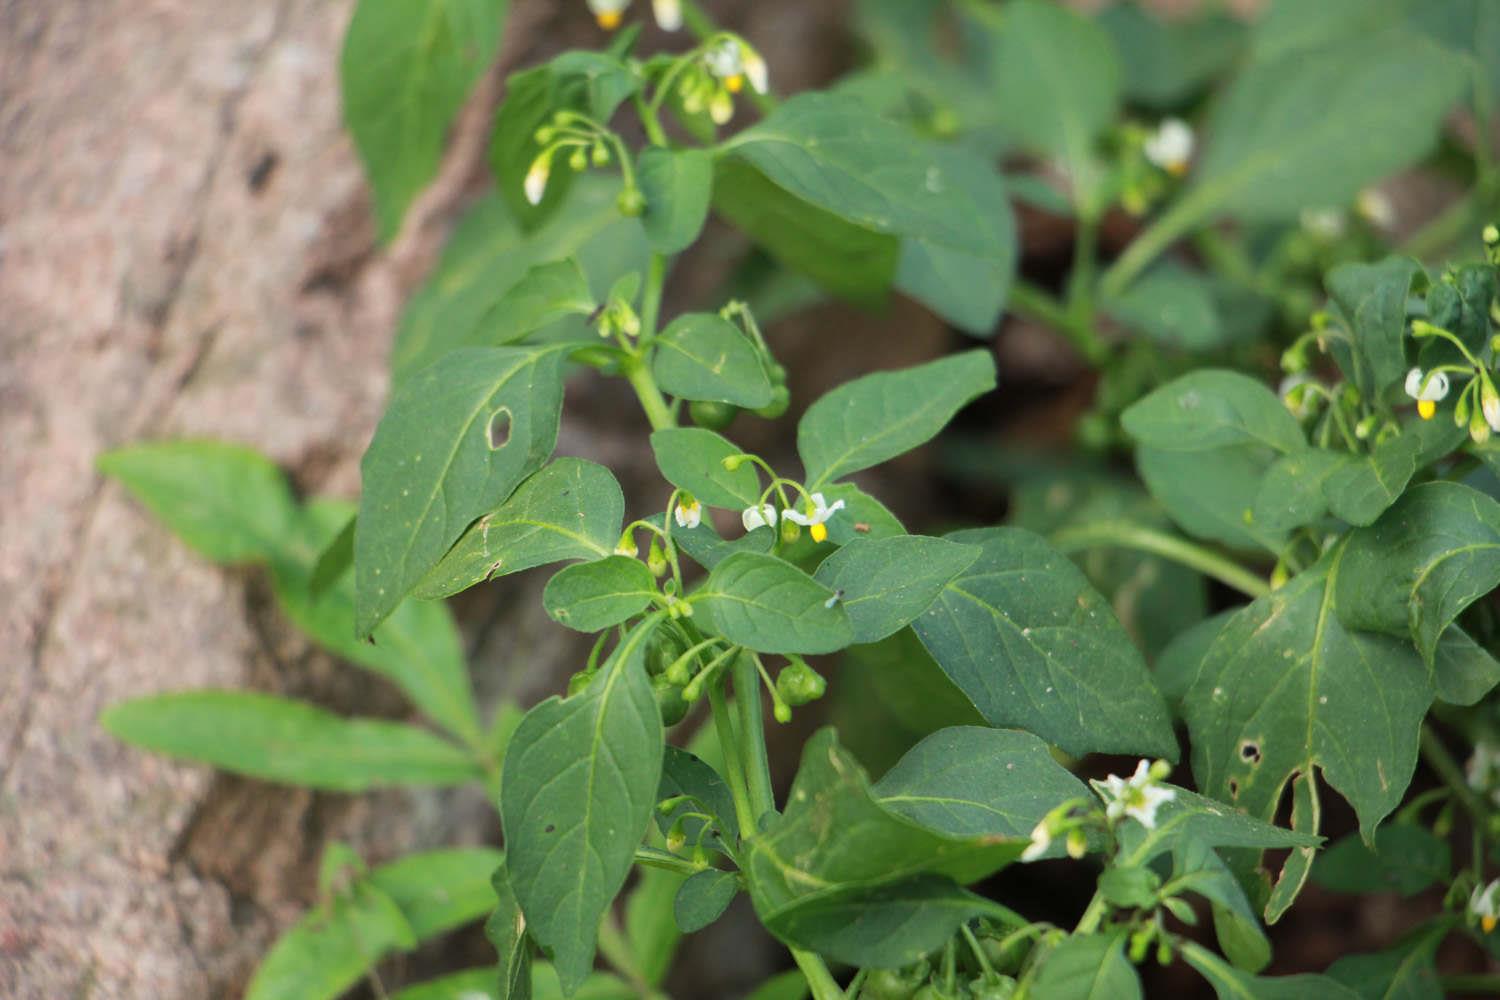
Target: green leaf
point(545, 294)
point(506, 930)
point(455, 440)
point(1057, 86)
point(945, 206)
point(1230, 983)
point(1361, 488)
point(1091, 967)
point(650, 929)
point(1291, 494)
point(1189, 818)
point(682, 773)
point(1405, 858)
point(837, 852)
point(333, 561)
point(1468, 27)
point(1405, 972)
point(790, 985)
point(1178, 665)
point(545, 985)
point(1213, 408)
point(703, 899)
point(1167, 62)
point(594, 83)
point(1463, 671)
point(968, 781)
point(227, 502)
point(1209, 493)
point(1172, 306)
point(1298, 132)
point(592, 596)
point(1286, 688)
point(417, 648)
point(405, 70)
point(1372, 301)
point(704, 356)
point(277, 739)
point(578, 789)
point(571, 509)
point(1033, 645)
point(678, 185)
point(489, 253)
point(470, 984)
point(692, 458)
point(393, 908)
point(704, 545)
point(1197, 868)
point(886, 583)
point(771, 606)
point(879, 416)
point(1435, 552)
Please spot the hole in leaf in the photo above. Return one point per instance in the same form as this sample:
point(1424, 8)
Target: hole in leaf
point(1234, 789)
point(498, 431)
point(1250, 751)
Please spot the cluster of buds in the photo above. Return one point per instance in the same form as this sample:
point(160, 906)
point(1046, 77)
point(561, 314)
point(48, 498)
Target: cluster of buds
point(1478, 406)
point(570, 133)
point(609, 13)
point(721, 69)
point(617, 316)
point(1063, 822)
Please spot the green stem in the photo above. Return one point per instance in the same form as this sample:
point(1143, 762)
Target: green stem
point(1036, 305)
point(650, 857)
point(753, 735)
point(1150, 245)
point(644, 384)
point(735, 773)
point(656, 278)
point(1122, 534)
point(1089, 922)
point(1447, 769)
point(819, 979)
point(1081, 277)
point(1476, 985)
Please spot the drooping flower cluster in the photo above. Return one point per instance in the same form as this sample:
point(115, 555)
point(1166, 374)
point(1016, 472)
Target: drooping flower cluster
point(814, 518)
point(609, 13)
point(722, 71)
point(1139, 796)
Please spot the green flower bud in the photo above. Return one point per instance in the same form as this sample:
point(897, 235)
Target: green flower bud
point(712, 415)
point(631, 202)
point(656, 560)
point(798, 684)
point(790, 531)
point(782, 712)
point(578, 161)
point(1140, 943)
point(600, 155)
point(732, 462)
point(781, 399)
point(669, 700)
point(544, 135)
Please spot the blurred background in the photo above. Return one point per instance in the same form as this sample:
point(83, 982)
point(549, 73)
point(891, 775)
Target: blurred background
point(188, 249)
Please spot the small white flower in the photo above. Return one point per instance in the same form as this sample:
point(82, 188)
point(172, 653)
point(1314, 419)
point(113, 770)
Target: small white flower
point(1489, 402)
point(668, 14)
point(1139, 797)
point(756, 72)
point(816, 520)
point(1326, 224)
point(1483, 770)
point(608, 13)
point(688, 513)
point(725, 60)
point(536, 178)
point(1375, 207)
point(1041, 839)
point(1485, 904)
point(1427, 390)
point(763, 516)
point(721, 107)
point(1171, 146)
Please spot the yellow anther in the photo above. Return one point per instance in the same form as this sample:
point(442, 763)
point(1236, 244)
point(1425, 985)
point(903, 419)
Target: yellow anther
point(1426, 408)
point(1488, 923)
point(819, 532)
point(609, 20)
point(735, 83)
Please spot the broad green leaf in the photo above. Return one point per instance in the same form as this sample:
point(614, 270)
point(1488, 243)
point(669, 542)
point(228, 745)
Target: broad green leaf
point(506, 930)
point(771, 606)
point(404, 72)
point(1213, 408)
point(1435, 552)
point(703, 899)
point(594, 83)
point(1033, 645)
point(1405, 858)
point(571, 509)
point(227, 502)
point(334, 560)
point(677, 185)
point(1463, 671)
point(1286, 688)
point(471, 984)
point(455, 440)
point(683, 773)
point(1291, 494)
point(692, 458)
point(592, 596)
point(967, 781)
point(1057, 86)
point(879, 416)
point(394, 908)
point(1197, 868)
point(790, 985)
point(885, 583)
point(704, 356)
point(544, 295)
point(1088, 967)
point(1189, 818)
point(1469, 27)
point(489, 252)
point(1172, 306)
point(1230, 983)
point(418, 647)
point(945, 206)
point(1296, 132)
point(1406, 972)
point(650, 928)
point(707, 548)
point(545, 985)
point(578, 789)
point(1178, 665)
point(1166, 62)
point(1372, 301)
point(837, 851)
point(291, 742)
point(1210, 493)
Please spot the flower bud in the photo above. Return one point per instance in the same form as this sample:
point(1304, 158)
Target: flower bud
point(578, 161)
point(790, 531)
point(732, 462)
point(600, 155)
point(656, 560)
point(798, 684)
point(631, 203)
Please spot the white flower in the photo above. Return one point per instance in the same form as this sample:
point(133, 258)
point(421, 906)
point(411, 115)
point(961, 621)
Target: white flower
point(1041, 839)
point(1375, 207)
point(1426, 390)
point(763, 516)
point(725, 60)
point(608, 13)
point(721, 107)
point(815, 521)
point(1171, 146)
point(536, 178)
point(1483, 770)
point(1489, 402)
point(688, 513)
point(755, 71)
point(1484, 905)
point(668, 14)
point(1139, 797)
point(1326, 224)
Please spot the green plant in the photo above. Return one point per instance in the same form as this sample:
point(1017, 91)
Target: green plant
point(1362, 537)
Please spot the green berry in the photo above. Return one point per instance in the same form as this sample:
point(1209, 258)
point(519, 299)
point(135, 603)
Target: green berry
point(780, 400)
point(631, 202)
point(799, 684)
point(711, 414)
point(669, 700)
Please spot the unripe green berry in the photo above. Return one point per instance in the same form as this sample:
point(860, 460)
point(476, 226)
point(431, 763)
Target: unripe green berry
point(799, 684)
point(669, 700)
point(712, 415)
point(631, 202)
point(780, 400)
point(578, 161)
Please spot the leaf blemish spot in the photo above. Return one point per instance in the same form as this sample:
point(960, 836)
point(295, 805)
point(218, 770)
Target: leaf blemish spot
point(498, 431)
point(1250, 751)
point(549, 828)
